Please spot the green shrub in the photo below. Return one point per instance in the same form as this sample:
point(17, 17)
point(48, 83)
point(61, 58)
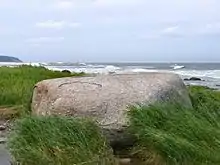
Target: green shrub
point(16, 86)
point(58, 141)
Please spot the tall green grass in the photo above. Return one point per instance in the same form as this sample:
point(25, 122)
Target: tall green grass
point(169, 134)
point(16, 87)
point(59, 141)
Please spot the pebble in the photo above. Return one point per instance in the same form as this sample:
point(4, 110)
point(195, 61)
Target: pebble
point(125, 161)
point(2, 127)
point(130, 161)
point(2, 140)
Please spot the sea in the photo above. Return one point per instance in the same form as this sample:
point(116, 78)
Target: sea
point(209, 73)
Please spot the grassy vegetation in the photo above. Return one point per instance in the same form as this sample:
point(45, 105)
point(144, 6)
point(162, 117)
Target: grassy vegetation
point(169, 134)
point(16, 86)
point(59, 141)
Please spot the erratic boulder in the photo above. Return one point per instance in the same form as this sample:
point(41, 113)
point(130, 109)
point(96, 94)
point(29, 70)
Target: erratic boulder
point(105, 98)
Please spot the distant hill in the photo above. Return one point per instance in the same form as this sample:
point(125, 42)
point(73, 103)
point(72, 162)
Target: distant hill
point(9, 59)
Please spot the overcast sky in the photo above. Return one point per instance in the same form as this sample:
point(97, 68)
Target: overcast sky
point(110, 30)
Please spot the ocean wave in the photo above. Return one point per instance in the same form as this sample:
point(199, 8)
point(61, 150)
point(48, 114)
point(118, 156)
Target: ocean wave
point(139, 70)
point(106, 69)
point(177, 67)
point(199, 73)
point(90, 70)
point(11, 64)
point(94, 66)
point(114, 69)
point(65, 64)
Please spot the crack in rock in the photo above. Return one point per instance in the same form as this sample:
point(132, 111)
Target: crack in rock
point(81, 83)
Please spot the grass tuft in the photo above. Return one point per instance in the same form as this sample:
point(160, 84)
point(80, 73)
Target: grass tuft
point(58, 140)
point(171, 134)
point(16, 87)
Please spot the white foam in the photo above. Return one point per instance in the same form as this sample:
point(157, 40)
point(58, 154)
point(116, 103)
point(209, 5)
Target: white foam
point(176, 67)
point(88, 70)
point(35, 64)
point(143, 70)
point(103, 69)
point(199, 73)
point(111, 68)
point(11, 64)
point(83, 64)
point(54, 68)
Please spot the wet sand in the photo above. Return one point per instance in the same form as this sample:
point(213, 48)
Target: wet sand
point(4, 156)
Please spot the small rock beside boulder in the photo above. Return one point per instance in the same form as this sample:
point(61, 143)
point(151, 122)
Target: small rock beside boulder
point(3, 127)
point(193, 79)
point(66, 71)
point(105, 98)
point(3, 140)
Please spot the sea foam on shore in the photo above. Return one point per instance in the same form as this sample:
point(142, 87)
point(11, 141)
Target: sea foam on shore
point(209, 72)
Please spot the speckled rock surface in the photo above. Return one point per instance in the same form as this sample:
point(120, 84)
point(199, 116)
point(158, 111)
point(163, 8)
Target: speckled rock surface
point(105, 98)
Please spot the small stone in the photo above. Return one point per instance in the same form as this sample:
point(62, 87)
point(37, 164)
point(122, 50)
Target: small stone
point(193, 79)
point(125, 161)
point(2, 140)
point(66, 71)
point(2, 127)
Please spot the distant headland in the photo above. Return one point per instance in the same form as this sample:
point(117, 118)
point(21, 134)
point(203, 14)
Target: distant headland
point(9, 59)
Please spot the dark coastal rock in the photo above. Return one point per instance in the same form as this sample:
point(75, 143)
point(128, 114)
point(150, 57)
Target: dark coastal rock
point(193, 79)
point(105, 98)
point(66, 71)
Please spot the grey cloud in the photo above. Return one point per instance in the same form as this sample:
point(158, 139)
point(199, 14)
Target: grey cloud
point(51, 24)
point(45, 40)
point(108, 29)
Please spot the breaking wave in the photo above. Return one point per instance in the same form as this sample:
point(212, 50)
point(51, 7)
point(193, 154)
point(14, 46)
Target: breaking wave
point(106, 69)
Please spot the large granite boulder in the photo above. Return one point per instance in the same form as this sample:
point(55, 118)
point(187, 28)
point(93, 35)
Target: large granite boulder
point(105, 98)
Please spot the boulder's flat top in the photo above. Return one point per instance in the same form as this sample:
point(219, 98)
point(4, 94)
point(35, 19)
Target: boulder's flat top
point(154, 75)
point(150, 78)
